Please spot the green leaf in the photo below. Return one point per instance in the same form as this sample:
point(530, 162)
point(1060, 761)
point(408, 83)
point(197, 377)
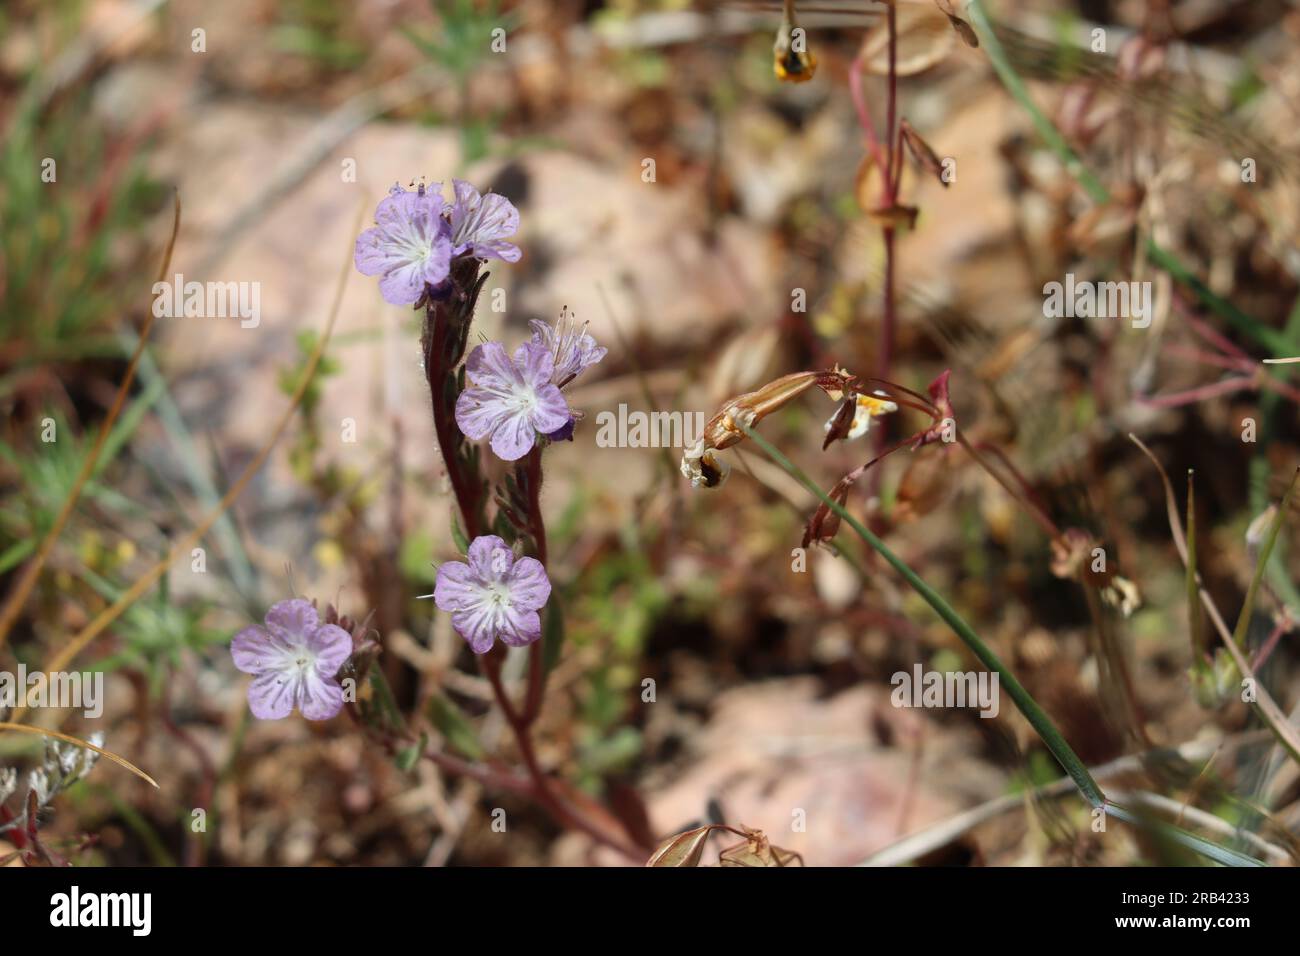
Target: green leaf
point(1247, 609)
point(408, 757)
point(1024, 702)
point(1193, 591)
point(552, 634)
point(1207, 848)
point(454, 727)
point(457, 535)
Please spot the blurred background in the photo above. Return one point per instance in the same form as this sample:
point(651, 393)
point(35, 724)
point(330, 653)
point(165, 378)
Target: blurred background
point(717, 228)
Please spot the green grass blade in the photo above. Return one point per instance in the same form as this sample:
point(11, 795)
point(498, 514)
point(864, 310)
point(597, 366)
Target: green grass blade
point(1199, 656)
point(1024, 702)
point(1248, 608)
point(1270, 338)
point(1207, 848)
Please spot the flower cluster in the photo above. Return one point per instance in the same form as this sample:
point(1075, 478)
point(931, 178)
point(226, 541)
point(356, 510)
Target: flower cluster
point(418, 234)
point(513, 401)
point(493, 595)
point(294, 659)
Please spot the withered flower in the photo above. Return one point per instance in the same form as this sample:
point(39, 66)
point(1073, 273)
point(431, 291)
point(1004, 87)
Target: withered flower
point(1070, 553)
point(703, 467)
point(701, 464)
point(922, 152)
point(1122, 594)
point(825, 523)
point(792, 61)
point(853, 419)
point(943, 413)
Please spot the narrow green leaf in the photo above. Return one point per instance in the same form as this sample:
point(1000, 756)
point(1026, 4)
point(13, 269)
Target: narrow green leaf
point(457, 535)
point(552, 634)
point(408, 757)
point(1024, 702)
point(454, 726)
point(1207, 848)
point(1193, 592)
point(1247, 609)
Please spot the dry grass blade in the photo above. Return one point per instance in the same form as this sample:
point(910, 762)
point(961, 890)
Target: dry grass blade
point(68, 738)
point(183, 546)
point(13, 605)
point(1269, 711)
point(1252, 593)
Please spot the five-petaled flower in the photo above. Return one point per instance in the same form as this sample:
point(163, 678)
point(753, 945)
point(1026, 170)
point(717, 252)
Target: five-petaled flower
point(410, 246)
point(481, 224)
point(573, 350)
point(417, 235)
point(511, 400)
point(495, 596)
point(295, 660)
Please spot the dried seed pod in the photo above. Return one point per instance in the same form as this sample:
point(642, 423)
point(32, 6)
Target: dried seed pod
point(825, 523)
point(925, 157)
point(926, 483)
point(681, 849)
point(962, 28)
point(792, 61)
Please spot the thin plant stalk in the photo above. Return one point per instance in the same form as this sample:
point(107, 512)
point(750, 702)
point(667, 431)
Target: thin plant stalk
point(1270, 338)
point(1024, 702)
point(27, 579)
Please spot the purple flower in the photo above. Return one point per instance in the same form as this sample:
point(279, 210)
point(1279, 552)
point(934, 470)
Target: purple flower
point(493, 597)
point(573, 349)
point(294, 660)
point(481, 224)
point(512, 401)
point(410, 246)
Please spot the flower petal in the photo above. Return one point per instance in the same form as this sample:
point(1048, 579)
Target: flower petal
point(477, 627)
point(254, 650)
point(477, 412)
point(319, 698)
point(529, 586)
point(291, 621)
point(490, 558)
point(515, 436)
point(404, 285)
point(455, 586)
point(489, 365)
point(519, 627)
point(271, 695)
point(535, 363)
point(551, 413)
point(332, 646)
